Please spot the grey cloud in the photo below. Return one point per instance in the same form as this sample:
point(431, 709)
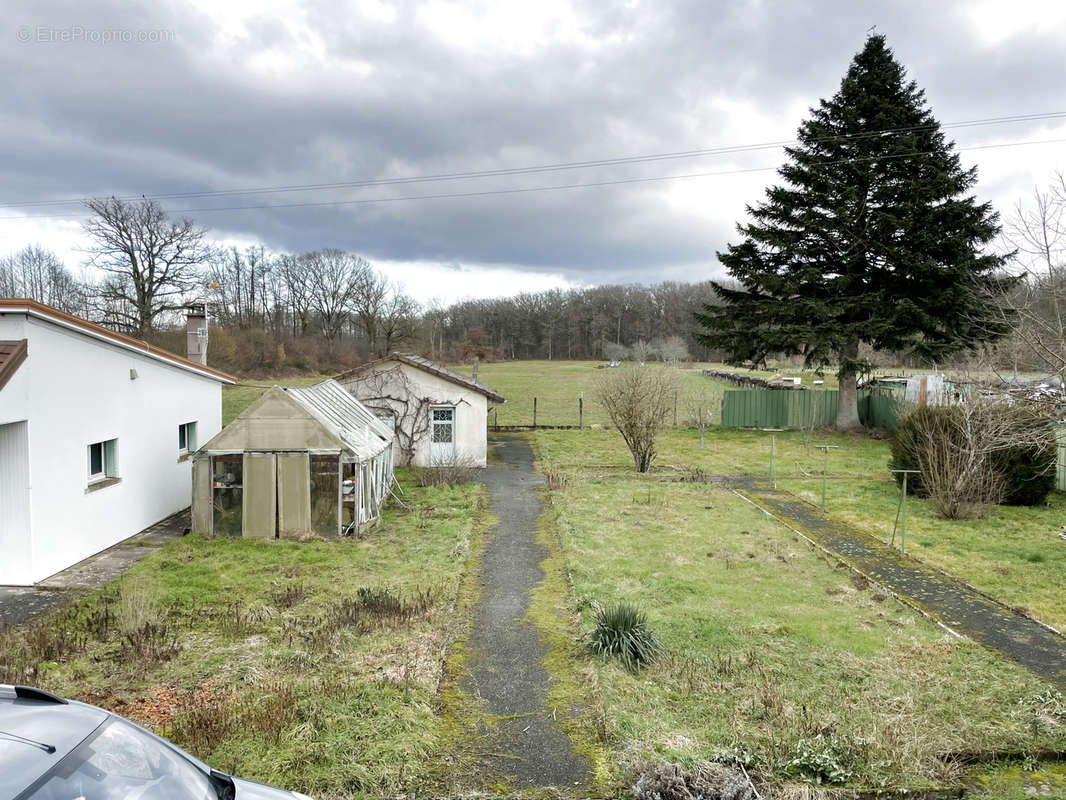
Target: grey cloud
point(193, 115)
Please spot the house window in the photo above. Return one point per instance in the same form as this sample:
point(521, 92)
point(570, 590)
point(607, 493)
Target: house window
point(187, 437)
point(103, 460)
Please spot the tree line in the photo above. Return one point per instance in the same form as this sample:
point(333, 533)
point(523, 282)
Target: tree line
point(328, 309)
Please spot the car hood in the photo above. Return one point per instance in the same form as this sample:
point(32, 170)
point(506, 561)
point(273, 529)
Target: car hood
point(250, 790)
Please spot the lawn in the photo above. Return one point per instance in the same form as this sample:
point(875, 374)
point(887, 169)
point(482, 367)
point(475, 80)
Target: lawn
point(309, 665)
point(1015, 555)
point(558, 386)
point(725, 452)
point(773, 654)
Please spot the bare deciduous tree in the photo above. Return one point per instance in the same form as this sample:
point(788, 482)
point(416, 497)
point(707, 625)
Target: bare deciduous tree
point(151, 261)
point(703, 403)
point(335, 278)
point(642, 351)
point(297, 285)
point(615, 352)
point(638, 399)
point(37, 273)
point(371, 293)
point(671, 349)
point(397, 322)
point(1036, 307)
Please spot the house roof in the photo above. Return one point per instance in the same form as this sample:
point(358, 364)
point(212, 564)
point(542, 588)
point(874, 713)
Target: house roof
point(12, 354)
point(431, 367)
point(344, 416)
point(21, 305)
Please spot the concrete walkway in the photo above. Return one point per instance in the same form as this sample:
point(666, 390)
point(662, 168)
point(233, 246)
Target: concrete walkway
point(505, 667)
point(19, 603)
point(961, 608)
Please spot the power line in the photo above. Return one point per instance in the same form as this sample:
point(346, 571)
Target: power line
point(544, 168)
point(555, 187)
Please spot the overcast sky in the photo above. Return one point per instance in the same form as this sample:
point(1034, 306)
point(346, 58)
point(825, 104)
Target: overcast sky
point(106, 98)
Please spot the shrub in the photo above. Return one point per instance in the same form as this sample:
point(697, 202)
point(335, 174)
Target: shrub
point(988, 452)
point(821, 759)
point(638, 400)
point(463, 470)
point(622, 631)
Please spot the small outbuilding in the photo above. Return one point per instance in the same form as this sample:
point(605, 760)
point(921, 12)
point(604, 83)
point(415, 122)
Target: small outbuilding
point(296, 462)
point(440, 417)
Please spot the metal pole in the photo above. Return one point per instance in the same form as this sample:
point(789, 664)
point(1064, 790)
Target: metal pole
point(825, 471)
point(581, 411)
point(903, 522)
point(825, 448)
point(901, 513)
point(534, 412)
point(773, 453)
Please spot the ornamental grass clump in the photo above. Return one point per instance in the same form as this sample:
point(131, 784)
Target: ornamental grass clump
point(622, 631)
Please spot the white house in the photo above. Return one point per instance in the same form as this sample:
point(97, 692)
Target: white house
point(96, 430)
point(440, 417)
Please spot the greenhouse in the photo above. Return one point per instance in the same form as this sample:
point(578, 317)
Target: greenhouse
point(297, 462)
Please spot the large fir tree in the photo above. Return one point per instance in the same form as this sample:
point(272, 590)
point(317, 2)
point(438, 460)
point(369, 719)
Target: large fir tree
point(873, 238)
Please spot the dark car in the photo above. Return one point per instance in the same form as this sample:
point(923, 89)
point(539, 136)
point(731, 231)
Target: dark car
point(56, 749)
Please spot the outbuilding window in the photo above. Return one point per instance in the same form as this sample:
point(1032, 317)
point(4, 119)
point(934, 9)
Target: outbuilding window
point(187, 437)
point(103, 460)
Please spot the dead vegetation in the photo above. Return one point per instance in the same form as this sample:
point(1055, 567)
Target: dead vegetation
point(463, 469)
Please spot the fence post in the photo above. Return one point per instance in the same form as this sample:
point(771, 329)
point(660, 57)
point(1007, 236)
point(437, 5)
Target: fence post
point(580, 411)
point(675, 409)
point(534, 412)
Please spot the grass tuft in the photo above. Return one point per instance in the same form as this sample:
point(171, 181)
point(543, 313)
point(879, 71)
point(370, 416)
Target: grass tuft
point(622, 632)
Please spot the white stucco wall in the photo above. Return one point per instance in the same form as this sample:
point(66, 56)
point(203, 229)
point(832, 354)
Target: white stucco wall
point(74, 390)
point(471, 409)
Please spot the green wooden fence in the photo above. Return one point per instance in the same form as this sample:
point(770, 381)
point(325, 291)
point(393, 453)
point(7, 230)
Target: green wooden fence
point(787, 408)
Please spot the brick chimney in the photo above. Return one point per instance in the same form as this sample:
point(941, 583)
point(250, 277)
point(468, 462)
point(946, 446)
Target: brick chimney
point(196, 333)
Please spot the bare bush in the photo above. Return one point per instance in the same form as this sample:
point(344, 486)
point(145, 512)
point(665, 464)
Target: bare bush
point(638, 400)
point(960, 451)
point(463, 469)
point(615, 352)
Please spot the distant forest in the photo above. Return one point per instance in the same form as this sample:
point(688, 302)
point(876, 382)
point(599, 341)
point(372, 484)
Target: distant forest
point(328, 310)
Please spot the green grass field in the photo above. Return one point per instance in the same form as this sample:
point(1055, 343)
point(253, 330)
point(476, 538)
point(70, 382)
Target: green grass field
point(284, 662)
point(558, 386)
point(1015, 555)
point(768, 645)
